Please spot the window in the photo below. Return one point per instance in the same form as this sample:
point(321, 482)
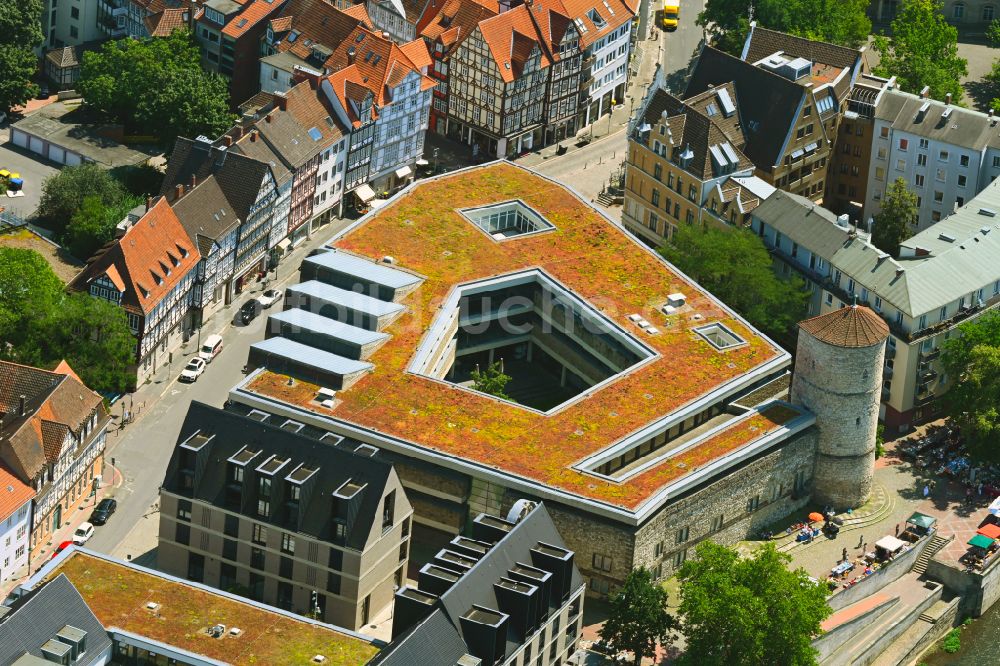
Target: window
point(881, 153)
point(183, 534)
point(403, 550)
point(884, 131)
point(679, 557)
point(257, 558)
point(259, 534)
point(388, 511)
point(921, 159)
point(184, 510)
point(988, 13)
point(962, 180)
point(682, 534)
point(599, 586)
point(938, 196)
point(232, 526)
point(904, 144)
point(935, 216)
point(963, 160)
point(229, 549)
point(923, 144)
point(753, 503)
point(658, 172)
point(264, 497)
point(717, 523)
point(900, 165)
point(939, 175)
point(333, 583)
point(601, 562)
point(918, 180)
point(958, 11)
point(655, 198)
point(850, 285)
point(287, 543)
point(74, 13)
point(879, 173)
point(878, 303)
point(658, 549)
point(943, 156)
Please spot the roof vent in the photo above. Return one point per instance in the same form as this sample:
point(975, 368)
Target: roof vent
point(235, 631)
point(844, 220)
point(676, 299)
point(948, 238)
point(922, 111)
point(988, 212)
point(984, 230)
point(152, 606)
point(217, 631)
point(388, 259)
point(318, 659)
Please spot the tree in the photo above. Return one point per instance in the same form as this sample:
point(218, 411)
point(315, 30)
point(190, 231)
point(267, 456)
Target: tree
point(28, 291)
point(836, 21)
point(992, 85)
point(734, 265)
point(492, 380)
point(156, 86)
point(94, 224)
point(923, 51)
point(737, 611)
point(638, 619)
point(972, 359)
point(896, 220)
point(64, 191)
point(20, 34)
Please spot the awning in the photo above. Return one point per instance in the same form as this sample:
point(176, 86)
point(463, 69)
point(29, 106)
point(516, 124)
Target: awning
point(990, 531)
point(284, 245)
point(890, 544)
point(980, 541)
point(921, 520)
point(422, 162)
point(811, 147)
point(995, 507)
point(377, 203)
point(365, 192)
point(403, 172)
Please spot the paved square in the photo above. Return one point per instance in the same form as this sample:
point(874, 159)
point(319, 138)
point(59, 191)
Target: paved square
point(33, 169)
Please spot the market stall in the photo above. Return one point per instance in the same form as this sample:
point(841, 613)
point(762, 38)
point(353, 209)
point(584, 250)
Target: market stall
point(888, 547)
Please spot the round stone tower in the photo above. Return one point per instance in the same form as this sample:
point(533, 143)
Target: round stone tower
point(838, 377)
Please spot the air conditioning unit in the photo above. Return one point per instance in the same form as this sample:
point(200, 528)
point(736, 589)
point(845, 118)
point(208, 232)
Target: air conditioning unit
point(668, 310)
point(677, 299)
point(634, 318)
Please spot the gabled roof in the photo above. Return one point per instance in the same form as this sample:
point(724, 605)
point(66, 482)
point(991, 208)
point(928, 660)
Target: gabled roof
point(38, 616)
point(409, 10)
point(303, 24)
point(360, 12)
point(55, 402)
point(962, 127)
point(416, 52)
point(165, 22)
point(14, 493)
point(153, 255)
point(334, 466)
point(762, 42)
point(253, 13)
point(66, 56)
point(512, 40)
point(451, 21)
point(853, 326)
point(613, 13)
point(768, 104)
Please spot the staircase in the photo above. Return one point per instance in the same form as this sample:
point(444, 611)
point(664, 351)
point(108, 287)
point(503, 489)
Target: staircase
point(605, 199)
point(937, 543)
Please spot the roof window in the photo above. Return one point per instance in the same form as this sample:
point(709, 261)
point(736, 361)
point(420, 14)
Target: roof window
point(596, 18)
point(719, 336)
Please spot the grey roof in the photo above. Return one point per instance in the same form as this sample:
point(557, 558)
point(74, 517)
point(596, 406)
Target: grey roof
point(767, 102)
point(285, 61)
point(350, 299)
point(320, 324)
point(916, 285)
point(334, 465)
point(206, 214)
point(963, 127)
point(475, 587)
point(263, 152)
point(41, 614)
point(315, 358)
point(762, 42)
point(366, 270)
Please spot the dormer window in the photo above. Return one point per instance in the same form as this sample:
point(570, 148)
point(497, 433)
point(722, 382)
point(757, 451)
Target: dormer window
point(596, 19)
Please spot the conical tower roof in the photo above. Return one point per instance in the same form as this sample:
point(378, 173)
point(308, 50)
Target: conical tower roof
point(853, 326)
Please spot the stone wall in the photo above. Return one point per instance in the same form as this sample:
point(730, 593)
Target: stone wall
point(896, 568)
point(842, 386)
point(978, 591)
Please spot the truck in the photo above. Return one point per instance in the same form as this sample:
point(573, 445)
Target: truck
point(671, 14)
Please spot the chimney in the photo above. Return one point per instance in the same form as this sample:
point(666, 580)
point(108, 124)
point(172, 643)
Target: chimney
point(559, 562)
point(178, 191)
point(253, 136)
point(267, 118)
point(947, 98)
point(21, 409)
point(228, 140)
point(350, 55)
point(412, 606)
point(194, 182)
point(239, 131)
point(490, 528)
point(925, 93)
point(149, 203)
point(385, 35)
point(281, 101)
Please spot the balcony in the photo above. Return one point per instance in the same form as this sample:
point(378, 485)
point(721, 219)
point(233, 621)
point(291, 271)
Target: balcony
point(930, 355)
point(925, 373)
point(890, 352)
point(585, 82)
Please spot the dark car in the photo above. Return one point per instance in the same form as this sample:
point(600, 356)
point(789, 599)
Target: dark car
point(249, 311)
point(43, 91)
point(103, 511)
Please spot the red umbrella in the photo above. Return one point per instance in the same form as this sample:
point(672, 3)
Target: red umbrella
point(815, 517)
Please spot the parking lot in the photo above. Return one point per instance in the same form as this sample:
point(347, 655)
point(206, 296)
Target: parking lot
point(34, 171)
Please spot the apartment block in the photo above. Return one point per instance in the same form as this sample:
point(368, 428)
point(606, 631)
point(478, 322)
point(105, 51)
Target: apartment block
point(944, 153)
point(308, 524)
point(945, 275)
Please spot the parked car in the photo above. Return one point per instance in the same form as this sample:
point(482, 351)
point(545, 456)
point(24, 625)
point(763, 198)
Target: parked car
point(61, 547)
point(211, 348)
point(269, 297)
point(43, 91)
point(192, 371)
point(83, 534)
point(103, 511)
point(249, 311)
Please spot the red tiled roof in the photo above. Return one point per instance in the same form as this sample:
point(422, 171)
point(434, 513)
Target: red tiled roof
point(252, 14)
point(416, 52)
point(155, 244)
point(512, 38)
point(377, 62)
point(442, 16)
point(281, 24)
point(315, 22)
point(359, 12)
point(64, 369)
point(13, 493)
point(165, 22)
point(854, 326)
point(579, 9)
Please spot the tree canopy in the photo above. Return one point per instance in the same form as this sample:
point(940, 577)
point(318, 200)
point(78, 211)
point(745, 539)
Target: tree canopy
point(638, 619)
point(20, 34)
point(94, 224)
point(841, 22)
point(492, 380)
point(923, 51)
point(156, 86)
point(897, 218)
point(972, 361)
point(746, 611)
point(41, 325)
point(64, 191)
point(734, 265)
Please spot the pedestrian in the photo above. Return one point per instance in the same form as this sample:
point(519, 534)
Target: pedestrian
point(844, 554)
point(864, 549)
point(861, 540)
point(927, 491)
point(897, 529)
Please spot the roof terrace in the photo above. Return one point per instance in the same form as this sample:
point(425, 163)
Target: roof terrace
point(425, 232)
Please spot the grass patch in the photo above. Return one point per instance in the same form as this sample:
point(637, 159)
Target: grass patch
point(952, 643)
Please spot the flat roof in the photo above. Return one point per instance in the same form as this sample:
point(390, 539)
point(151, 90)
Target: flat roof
point(599, 262)
point(320, 324)
point(350, 299)
point(366, 270)
point(117, 593)
point(314, 358)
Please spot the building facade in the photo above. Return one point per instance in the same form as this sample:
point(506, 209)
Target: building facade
point(307, 525)
point(150, 272)
point(15, 524)
point(945, 275)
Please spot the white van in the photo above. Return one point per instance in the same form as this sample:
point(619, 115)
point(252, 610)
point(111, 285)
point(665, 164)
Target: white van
point(211, 348)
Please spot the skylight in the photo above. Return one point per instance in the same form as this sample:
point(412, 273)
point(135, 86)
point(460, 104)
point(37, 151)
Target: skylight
point(315, 134)
point(719, 336)
point(596, 18)
point(507, 219)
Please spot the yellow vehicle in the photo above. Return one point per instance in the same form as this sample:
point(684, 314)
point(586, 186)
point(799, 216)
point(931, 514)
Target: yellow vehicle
point(671, 14)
